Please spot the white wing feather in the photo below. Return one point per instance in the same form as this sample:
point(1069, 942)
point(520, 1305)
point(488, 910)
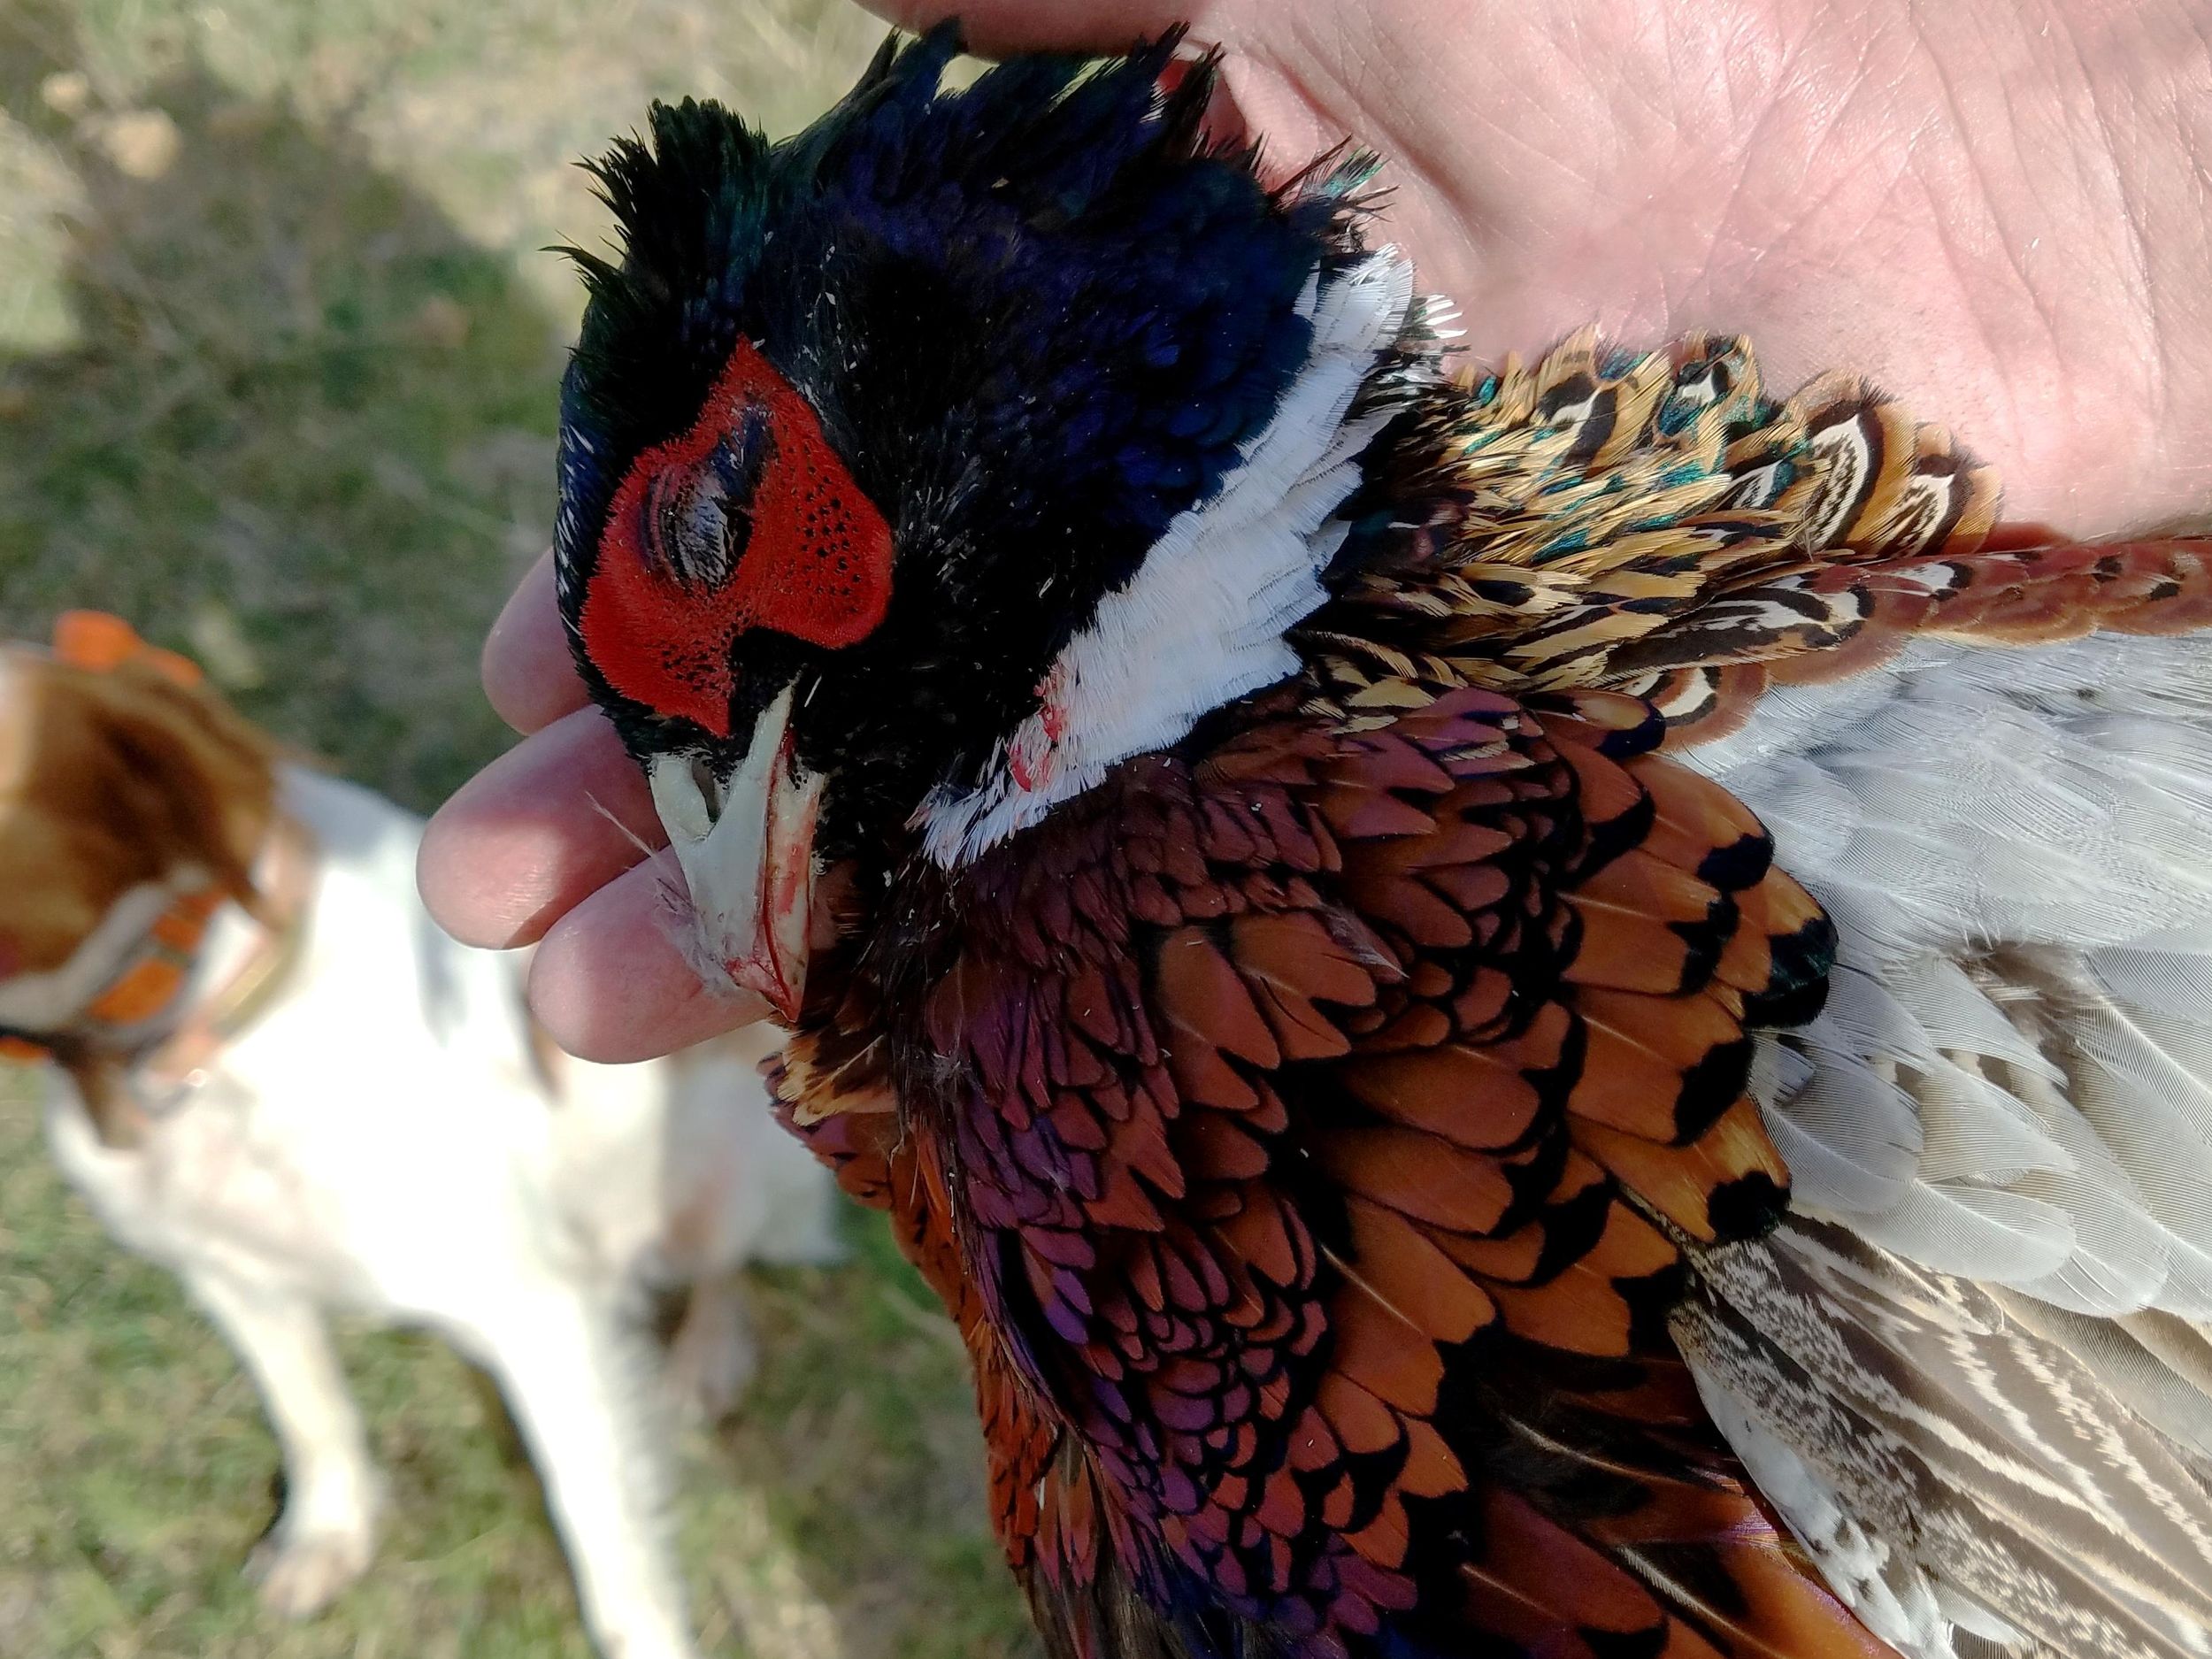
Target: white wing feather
point(2016, 848)
point(2011, 1084)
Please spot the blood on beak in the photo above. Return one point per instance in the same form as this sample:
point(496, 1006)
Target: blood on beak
point(746, 846)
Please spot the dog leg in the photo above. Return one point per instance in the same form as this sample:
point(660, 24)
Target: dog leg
point(711, 1358)
point(323, 1540)
point(581, 1394)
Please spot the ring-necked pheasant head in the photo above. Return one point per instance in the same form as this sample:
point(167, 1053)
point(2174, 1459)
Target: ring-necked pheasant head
point(883, 450)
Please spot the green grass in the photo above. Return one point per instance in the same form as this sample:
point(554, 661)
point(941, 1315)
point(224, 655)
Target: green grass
point(278, 355)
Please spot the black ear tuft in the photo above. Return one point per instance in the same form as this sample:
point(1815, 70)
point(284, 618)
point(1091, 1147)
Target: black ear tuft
point(687, 203)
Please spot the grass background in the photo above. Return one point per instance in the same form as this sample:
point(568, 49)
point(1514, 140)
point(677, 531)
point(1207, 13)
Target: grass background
point(278, 359)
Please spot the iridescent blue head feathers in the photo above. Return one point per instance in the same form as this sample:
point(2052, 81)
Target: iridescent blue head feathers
point(1001, 341)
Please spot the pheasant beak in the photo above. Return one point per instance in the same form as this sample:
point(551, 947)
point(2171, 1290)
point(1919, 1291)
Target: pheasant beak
point(747, 849)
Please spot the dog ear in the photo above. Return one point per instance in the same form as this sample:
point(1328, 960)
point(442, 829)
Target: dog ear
point(203, 782)
point(205, 778)
point(168, 772)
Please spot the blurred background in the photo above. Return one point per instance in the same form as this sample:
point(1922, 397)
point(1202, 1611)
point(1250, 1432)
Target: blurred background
point(279, 349)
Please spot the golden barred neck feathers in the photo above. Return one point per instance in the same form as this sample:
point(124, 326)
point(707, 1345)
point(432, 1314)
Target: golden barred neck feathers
point(1598, 498)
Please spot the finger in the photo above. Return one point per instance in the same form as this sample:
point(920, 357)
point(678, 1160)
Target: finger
point(1001, 27)
point(553, 819)
point(528, 675)
point(996, 27)
point(610, 984)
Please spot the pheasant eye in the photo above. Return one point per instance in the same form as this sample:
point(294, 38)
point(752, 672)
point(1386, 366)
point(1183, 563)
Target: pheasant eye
point(695, 521)
point(748, 520)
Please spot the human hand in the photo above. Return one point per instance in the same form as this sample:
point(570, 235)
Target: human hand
point(548, 846)
point(1997, 211)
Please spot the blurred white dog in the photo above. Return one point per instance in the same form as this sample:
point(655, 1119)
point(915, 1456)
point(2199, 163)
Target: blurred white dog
point(276, 1077)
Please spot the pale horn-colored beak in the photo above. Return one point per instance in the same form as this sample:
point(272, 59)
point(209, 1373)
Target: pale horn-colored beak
point(747, 849)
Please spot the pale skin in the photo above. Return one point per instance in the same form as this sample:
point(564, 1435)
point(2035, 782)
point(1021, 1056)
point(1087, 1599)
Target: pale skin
point(1999, 210)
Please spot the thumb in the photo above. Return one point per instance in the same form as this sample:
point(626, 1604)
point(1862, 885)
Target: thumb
point(996, 27)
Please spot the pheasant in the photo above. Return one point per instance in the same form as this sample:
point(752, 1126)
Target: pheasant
point(1555, 1010)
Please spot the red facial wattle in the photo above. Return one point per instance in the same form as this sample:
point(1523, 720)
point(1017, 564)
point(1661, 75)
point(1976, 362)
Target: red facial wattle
point(658, 623)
